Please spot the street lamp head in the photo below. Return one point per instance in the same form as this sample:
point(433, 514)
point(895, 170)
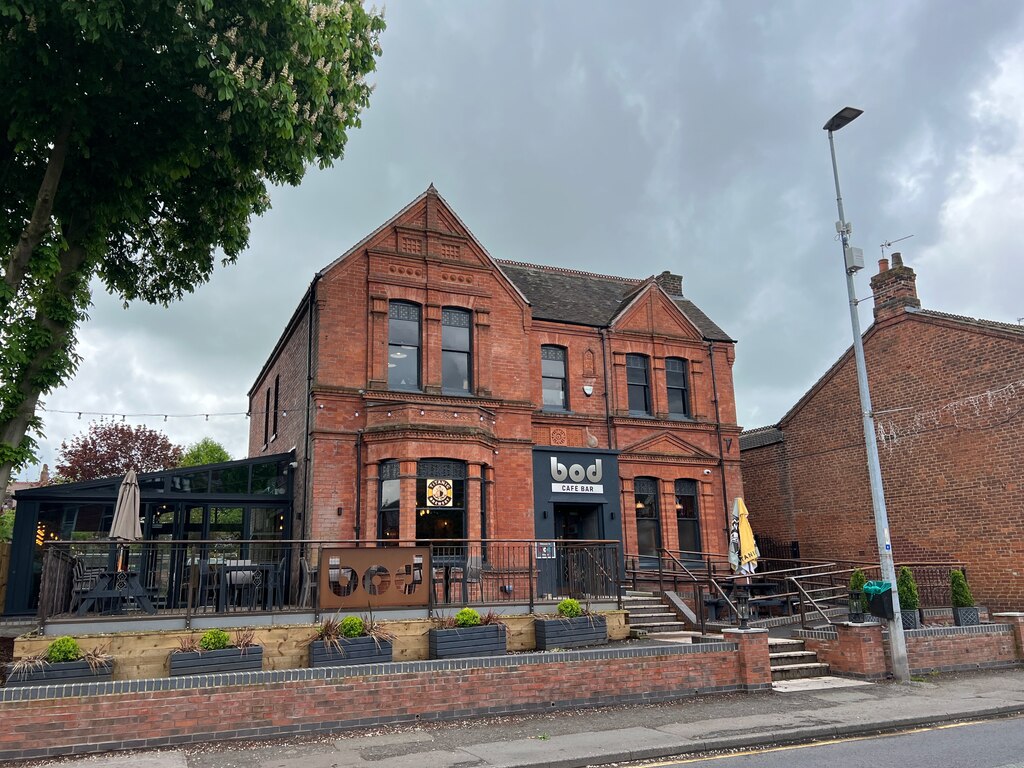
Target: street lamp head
point(843, 117)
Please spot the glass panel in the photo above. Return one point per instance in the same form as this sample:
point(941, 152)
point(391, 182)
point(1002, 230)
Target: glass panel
point(455, 338)
point(638, 402)
point(195, 482)
point(404, 332)
point(155, 484)
point(388, 524)
point(554, 392)
point(553, 368)
point(455, 371)
point(403, 367)
point(230, 480)
point(269, 478)
point(390, 494)
point(440, 524)
point(226, 523)
point(648, 540)
point(266, 522)
point(677, 401)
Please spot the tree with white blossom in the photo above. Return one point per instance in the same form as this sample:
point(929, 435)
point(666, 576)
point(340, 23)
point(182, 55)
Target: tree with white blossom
point(140, 138)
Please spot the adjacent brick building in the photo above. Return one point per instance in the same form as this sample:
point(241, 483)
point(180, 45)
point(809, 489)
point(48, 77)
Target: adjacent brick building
point(948, 394)
point(433, 391)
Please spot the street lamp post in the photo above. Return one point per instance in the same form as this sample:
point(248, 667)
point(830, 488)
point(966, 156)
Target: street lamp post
point(853, 259)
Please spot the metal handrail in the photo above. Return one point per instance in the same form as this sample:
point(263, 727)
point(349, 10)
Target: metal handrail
point(812, 601)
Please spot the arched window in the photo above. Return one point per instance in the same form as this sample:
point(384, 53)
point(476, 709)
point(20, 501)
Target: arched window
point(554, 378)
point(403, 346)
point(648, 520)
point(638, 384)
point(389, 497)
point(440, 499)
point(456, 352)
point(677, 378)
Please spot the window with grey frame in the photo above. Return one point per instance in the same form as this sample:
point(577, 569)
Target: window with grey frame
point(677, 380)
point(554, 378)
point(456, 351)
point(404, 345)
point(388, 507)
point(688, 518)
point(638, 385)
point(440, 499)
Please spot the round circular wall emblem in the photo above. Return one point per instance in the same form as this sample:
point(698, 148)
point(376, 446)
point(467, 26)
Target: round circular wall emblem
point(439, 493)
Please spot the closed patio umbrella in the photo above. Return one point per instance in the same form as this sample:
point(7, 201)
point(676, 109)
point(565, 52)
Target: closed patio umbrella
point(126, 525)
point(743, 553)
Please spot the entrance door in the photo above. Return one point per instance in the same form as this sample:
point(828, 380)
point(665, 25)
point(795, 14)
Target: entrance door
point(687, 519)
point(580, 566)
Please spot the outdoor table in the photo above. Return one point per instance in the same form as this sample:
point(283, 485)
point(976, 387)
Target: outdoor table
point(251, 578)
point(116, 587)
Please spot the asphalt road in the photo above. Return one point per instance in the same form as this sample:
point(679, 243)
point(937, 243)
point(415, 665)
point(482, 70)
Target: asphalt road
point(989, 744)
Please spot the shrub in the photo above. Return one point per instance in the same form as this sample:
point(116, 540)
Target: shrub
point(214, 640)
point(467, 617)
point(353, 626)
point(569, 608)
point(63, 649)
point(906, 588)
point(857, 582)
point(962, 597)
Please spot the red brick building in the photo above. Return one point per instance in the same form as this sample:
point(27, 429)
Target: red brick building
point(948, 394)
point(432, 391)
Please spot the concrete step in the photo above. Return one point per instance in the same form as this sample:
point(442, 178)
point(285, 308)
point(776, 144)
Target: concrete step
point(637, 593)
point(664, 626)
point(776, 643)
point(652, 618)
point(792, 657)
point(799, 671)
point(648, 610)
point(631, 601)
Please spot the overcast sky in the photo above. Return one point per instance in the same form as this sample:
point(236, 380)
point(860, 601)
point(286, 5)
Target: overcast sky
point(628, 139)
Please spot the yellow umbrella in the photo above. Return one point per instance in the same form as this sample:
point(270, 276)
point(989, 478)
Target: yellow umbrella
point(743, 554)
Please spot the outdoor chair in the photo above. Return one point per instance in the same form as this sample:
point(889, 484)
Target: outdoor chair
point(83, 579)
point(310, 583)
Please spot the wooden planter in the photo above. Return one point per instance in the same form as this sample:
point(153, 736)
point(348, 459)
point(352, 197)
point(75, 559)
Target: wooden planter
point(214, 662)
point(60, 673)
point(966, 617)
point(487, 640)
point(911, 618)
point(570, 633)
point(354, 650)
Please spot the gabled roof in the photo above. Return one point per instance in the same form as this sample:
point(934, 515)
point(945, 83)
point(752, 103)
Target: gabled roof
point(756, 438)
point(586, 298)
point(991, 325)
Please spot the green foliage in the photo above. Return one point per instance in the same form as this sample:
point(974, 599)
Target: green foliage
point(214, 640)
point(906, 588)
point(570, 608)
point(153, 157)
point(7, 525)
point(467, 617)
point(352, 626)
point(206, 451)
point(961, 591)
point(857, 582)
point(63, 649)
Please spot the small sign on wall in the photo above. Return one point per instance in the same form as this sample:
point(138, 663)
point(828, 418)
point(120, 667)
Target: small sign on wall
point(544, 550)
point(439, 492)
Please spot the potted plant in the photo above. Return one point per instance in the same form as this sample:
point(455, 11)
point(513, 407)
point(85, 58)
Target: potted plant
point(910, 600)
point(215, 652)
point(467, 633)
point(965, 612)
point(63, 662)
point(575, 627)
point(353, 640)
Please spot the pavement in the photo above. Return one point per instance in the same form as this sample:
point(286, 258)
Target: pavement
point(794, 711)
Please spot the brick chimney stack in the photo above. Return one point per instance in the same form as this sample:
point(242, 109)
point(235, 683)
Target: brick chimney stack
point(671, 284)
point(895, 288)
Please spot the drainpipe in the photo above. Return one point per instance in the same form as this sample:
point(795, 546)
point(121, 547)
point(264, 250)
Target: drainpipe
point(359, 486)
point(607, 402)
point(307, 459)
point(718, 429)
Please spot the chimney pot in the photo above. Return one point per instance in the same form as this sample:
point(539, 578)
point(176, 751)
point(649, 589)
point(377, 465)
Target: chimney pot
point(897, 259)
point(883, 265)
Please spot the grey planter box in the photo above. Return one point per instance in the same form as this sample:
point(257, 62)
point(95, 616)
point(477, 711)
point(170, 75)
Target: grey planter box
point(60, 673)
point(354, 650)
point(911, 618)
point(570, 633)
point(966, 617)
point(216, 662)
point(462, 642)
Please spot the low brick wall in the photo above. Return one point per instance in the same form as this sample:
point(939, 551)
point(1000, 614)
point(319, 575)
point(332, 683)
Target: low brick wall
point(75, 719)
point(951, 649)
point(141, 655)
point(854, 650)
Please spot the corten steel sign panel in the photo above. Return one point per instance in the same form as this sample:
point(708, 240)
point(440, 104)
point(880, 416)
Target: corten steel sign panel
point(374, 577)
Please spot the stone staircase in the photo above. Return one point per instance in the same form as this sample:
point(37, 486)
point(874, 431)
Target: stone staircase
point(790, 660)
point(648, 614)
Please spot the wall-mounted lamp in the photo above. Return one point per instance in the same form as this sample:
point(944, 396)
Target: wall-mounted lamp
point(341, 511)
point(544, 514)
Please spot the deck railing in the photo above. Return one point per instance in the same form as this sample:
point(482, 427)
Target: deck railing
point(82, 579)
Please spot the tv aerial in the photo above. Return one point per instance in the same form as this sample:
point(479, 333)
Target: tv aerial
point(891, 243)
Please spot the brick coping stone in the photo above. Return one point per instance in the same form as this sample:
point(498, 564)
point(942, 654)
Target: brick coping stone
point(185, 682)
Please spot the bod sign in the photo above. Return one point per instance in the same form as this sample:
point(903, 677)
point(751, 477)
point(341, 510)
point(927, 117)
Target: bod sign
point(576, 478)
point(373, 577)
